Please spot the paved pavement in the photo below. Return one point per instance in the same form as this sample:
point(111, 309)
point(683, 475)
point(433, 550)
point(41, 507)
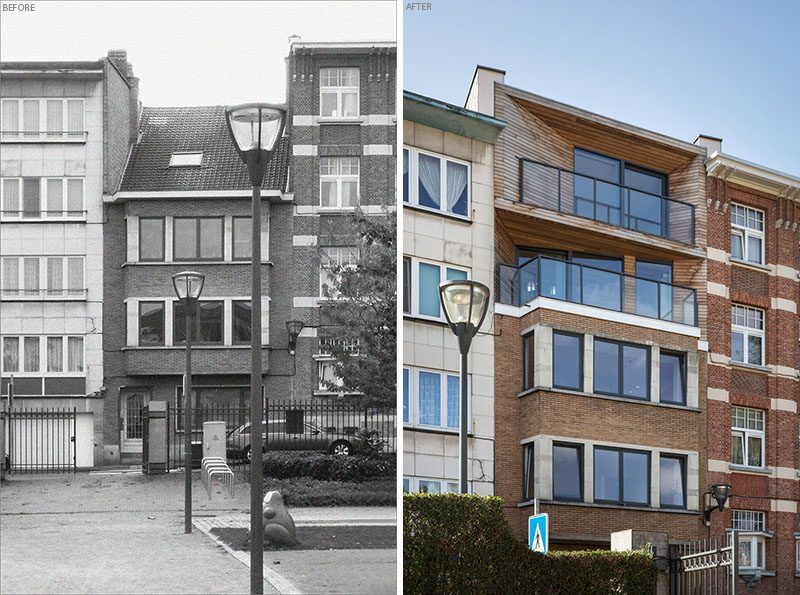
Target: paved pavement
point(123, 533)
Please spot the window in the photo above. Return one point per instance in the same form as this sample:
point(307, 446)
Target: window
point(242, 238)
point(406, 395)
point(43, 197)
point(151, 239)
point(187, 159)
point(435, 486)
point(797, 556)
point(436, 183)
point(567, 361)
point(621, 476)
point(31, 197)
point(22, 276)
point(10, 354)
point(431, 398)
point(53, 116)
point(331, 259)
point(406, 285)
point(241, 321)
point(43, 355)
point(30, 276)
point(55, 354)
point(747, 234)
point(567, 472)
point(748, 436)
point(621, 369)
point(198, 238)
point(338, 92)
point(425, 277)
point(207, 326)
point(672, 378)
point(151, 323)
point(528, 477)
point(672, 480)
point(528, 351)
point(751, 547)
point(326, 373)
point(654, 289)
point(338, 182)
point(747, 335)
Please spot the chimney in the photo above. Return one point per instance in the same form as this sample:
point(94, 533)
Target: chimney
point(481, 92)
point(120, 60)
point(134, 108)
point(711, 143)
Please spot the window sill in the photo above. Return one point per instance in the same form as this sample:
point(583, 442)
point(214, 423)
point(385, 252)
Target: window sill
point(40, 298)
point(607, 397)
point(79, 219)
point(332, 120)
point(334, 210)
point(746, 264)
point(444, 214)
point(758, 572)
point(750, 470)
point(431, 321)
point(434, 430)
point(751, 367)
point(612, 506)
point(189, 262)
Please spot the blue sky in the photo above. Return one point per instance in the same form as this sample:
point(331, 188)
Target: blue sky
point(729, 69)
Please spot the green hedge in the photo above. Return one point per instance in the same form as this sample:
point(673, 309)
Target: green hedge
point(322, 466)
point(456, 543)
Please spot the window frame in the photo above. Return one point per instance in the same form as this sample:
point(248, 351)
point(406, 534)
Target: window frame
point(407, 289)
point(339, 91)
point(43, 214)
point(163, 222)
point(43, 291)
point(746, 433)
point(621, 368)
point(528, 471)
point(528, 360)
point(746, 232)
point(234, 257)
point(415, 286)
point(580, 448)
point(42, 370)
point(324, 277)
point(747, 332)
point(180, 154)
point(683, 460)
point(232, 322)
point(413, 183)
point(682, 362)
point(621, 471)
point(198, 323)
point(338, 179)
point(163, 324)
point(199, 239)
point(41, 124)
point(581, 355)
point(413, 399)
point(451, 486)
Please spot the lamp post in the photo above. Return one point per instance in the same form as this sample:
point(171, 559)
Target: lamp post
point(465, 304)
point(720, 492)
point(188, 286)
point(255, 129)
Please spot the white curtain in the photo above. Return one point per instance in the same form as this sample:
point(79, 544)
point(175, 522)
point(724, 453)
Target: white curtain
point(10, 115)
point(11, 197)
point(456, 182)
point(55, 116)
point(11, 275)
point(75, 274)
point(55, 274)
point(55, 197)
point(11, 354)
point(31, 275)
point(55, 354)
point(75, 196)
point(429, 177)
point(74, 115)
point(31, 354)
point(30, 110)
point(75, 354)
point(349, 104)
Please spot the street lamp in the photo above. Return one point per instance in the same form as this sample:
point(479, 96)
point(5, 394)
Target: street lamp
point(188, 286)
point(293, 327)
point(465, 304)
point(719, 492)
point(255, 129)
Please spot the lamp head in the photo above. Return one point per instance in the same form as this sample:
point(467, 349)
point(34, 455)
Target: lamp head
point(188, 284)
point(465, 304)
point(255, 129)
point(721, 492)
point(293, 327)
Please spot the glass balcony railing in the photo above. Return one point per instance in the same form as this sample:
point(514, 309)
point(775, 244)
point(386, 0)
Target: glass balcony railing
point(582, 284)
point(566, 191)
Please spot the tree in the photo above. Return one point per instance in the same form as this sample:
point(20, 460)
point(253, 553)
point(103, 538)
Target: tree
point(360, 325)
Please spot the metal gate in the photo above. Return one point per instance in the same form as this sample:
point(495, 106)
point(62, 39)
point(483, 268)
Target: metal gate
point(706, 567)
point(41, 440)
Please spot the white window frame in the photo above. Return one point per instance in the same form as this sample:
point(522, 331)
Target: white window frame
point(748, 430)
point(186, 159)
point(324, 276)
point(443, 266)
point(747, 330)
point(797, 556)
point(751, 524)
point(748, 229)
point(340, 90)
point(43, 361)
point(42, 134)
point(451, 485)
point(338, 178)
point(44, 215)
point(413, 399)
point(44, 292)
point(413, 182)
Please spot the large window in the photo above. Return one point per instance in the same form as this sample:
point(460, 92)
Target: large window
point(654, 289)
point(55, 117)
point(747, 335)
point(151, 239)
point(242, 238)
point(748, 436)
point(567, 472)
point(567, 361)
point(621, 476)
point(672, 378)
point(528, 355)
point(751, 547)
point(197, 238)
point(338, 182)
point(52, 355)
point(672, 480)
point(433, 398)
point(436, 183)
point(621, 369)
point(423, 289)
point(151, 323)
point(528, 477)
point(747, 234)
point(37, 276)
point(430, 486)
point(42, 197)
point(339, 92)
point(207, 326)
point(332, 259)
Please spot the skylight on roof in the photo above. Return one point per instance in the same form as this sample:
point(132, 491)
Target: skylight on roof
point(186, 159)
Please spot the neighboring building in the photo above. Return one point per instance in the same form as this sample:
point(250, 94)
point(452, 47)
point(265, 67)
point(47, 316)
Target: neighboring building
point(600, 321)
point(753, 368)
point(66, 129)
point(343, 124)
point(449, 231)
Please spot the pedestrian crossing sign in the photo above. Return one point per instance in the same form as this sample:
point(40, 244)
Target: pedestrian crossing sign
point(537, 533)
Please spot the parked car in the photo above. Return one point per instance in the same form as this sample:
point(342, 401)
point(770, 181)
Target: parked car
point(275, 437)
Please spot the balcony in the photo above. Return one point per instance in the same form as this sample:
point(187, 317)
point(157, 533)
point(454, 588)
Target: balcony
point(590, 286)
point(43, 136)
point(565, 191)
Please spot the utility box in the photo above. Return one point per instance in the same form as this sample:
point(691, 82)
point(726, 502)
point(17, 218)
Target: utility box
point(214, 439)
point(154, 438)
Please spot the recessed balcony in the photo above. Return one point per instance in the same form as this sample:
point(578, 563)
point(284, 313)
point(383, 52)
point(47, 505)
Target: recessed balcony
point(590, 286)
point(566, 191)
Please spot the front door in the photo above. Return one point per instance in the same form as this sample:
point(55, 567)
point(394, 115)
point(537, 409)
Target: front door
point(131, 403)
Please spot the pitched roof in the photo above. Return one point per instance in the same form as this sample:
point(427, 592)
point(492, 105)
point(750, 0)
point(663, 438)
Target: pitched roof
point(167, 130)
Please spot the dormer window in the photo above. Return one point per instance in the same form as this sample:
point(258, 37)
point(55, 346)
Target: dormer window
point(186, 159)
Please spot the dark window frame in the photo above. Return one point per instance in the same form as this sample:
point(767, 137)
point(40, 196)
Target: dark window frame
point(528, 471)
point(233, 238)
point(163, 324)
point(582, 352)
point(621, 472)
point(407, 288)
point(684, 374)
point(528, 344)
point(581, 472)
point(621, 369)
point(198, 239)
point(623, 165)
point(683, 459)
point(163, 222)
point(197, 323)
point(234, 341)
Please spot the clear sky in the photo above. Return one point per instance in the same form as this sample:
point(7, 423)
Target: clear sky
point(679, 67)
point(192, 53)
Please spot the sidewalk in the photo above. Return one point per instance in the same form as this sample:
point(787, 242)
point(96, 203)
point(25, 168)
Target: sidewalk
point(123, 533)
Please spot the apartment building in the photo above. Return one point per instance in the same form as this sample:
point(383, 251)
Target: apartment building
point(753, 292)
point(600, 320)
point(448, 227)
point(343, 124)
point(66, 129)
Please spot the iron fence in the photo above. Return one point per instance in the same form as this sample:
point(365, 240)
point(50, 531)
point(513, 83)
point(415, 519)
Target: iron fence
point(41, 440)
point(706, 567)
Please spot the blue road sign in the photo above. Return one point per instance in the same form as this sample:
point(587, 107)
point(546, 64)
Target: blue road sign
point(537, 533)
